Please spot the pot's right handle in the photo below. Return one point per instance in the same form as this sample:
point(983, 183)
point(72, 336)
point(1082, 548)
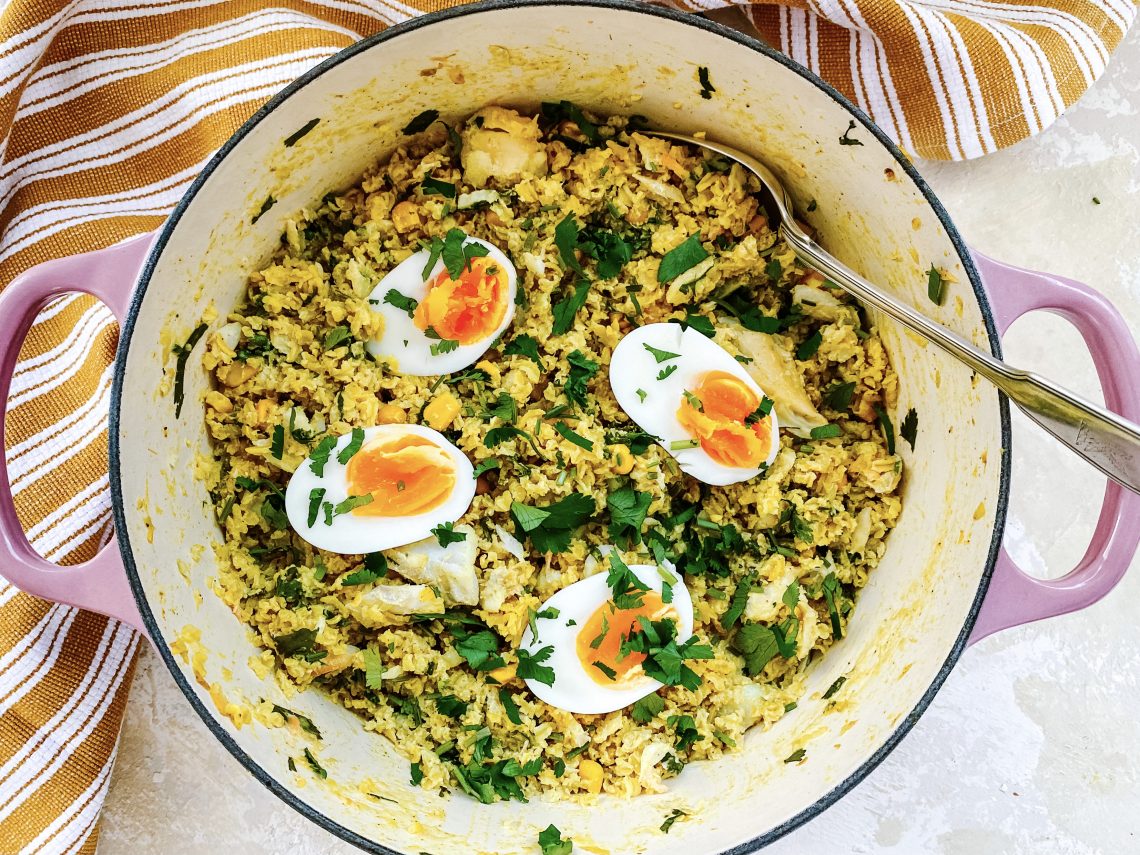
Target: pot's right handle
point(99, 585)
point(1015, 597)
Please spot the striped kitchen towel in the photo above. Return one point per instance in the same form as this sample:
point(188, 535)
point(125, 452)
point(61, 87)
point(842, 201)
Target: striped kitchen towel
point(108, 108)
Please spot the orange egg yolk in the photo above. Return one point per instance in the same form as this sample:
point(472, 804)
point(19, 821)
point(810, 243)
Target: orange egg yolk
point(601, 638)
point(466, 309)
point(405, 476)
point(725, 402)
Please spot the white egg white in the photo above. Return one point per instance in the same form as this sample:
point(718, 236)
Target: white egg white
point(402, 344)
point(349, 533)
point(653, 403)
point(574, 689)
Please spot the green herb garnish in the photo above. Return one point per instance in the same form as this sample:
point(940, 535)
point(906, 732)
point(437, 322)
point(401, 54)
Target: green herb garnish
point(296, 136)
point(421, 122)
point(183, 353)
point(681, 258)
point(446, 534)
point(400, 301)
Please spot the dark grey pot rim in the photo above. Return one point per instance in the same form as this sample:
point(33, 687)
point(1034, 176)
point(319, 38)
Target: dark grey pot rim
point(290, 798)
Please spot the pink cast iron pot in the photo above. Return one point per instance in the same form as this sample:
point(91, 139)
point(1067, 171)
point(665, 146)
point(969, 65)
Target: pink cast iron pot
point(944, 582)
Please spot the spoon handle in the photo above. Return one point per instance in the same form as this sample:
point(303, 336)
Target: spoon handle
point(1108, 441)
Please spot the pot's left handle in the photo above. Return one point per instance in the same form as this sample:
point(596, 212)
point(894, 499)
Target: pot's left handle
point(99, 585)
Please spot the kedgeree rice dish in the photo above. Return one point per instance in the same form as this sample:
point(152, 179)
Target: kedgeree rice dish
point(539, 451)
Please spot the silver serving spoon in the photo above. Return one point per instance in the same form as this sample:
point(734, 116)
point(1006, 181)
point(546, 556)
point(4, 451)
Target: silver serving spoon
point(1107, 441)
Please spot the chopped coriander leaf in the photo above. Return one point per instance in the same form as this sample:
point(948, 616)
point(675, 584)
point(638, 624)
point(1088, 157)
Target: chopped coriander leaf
point(888, 428)
point(761, 412)
point(738, 603)
point(530, 666)
point(606, 669)
point(509, 705)
point(647, 709)
point(835, 687)
point(774, 270)
point(809, 346)
point(800, 753)
point(673, 816)
point(316, 496)
point(566, 239)
point(505, 408)
point(417, 774)
point(831, 595)
point(791, 595)
point(435, 187)
point(563, 110)
point(421, 122)
point(317, 768)
point(485, 466)
point(609, 249)
point(582, 370)
point(183, 354)
point(641, 394)
point(354, 444)
point(707, 89)
point(337, 336)
point(565, 310)
point(664, 657)
point(550, 527)
point(551, 841)
point(451, 706)
point(445, 533)
point(295, 643)
point(628, 508)
point(277, 445)
point(661, 355)
point(364, 576)
point(320, 455)
point(826, 432)
point(666, 371)
point(935, 286)
point(757, 644)
point(846, 139)
point(626, 587)
point(567, 434)
point(265, 206)
point(524, 345)
point(457, 252)
point(373, 668)
point(908, 430)
point(838, 396)
point(401, 301)
point(699, 323)
point(686, 729)
point(296, 136)
point(350, 504)
point(681, 258)
point(498, 435)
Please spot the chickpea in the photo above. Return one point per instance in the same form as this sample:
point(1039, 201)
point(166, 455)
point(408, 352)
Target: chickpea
point(406, 217)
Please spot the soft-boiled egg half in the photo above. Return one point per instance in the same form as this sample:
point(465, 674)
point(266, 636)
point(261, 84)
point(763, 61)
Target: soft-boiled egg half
point(691, 394)
point(436, 322)
point(379, 487)
point(587, 631)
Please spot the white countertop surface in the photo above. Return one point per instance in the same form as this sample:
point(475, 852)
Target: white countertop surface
point(1033, 744)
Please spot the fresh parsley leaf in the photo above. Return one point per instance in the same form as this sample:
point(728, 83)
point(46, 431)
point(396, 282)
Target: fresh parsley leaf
point(435, 187)
point(421, 122)
point(908, 430)
point(838, 396)
point(305, 722)
point(774, 270)
point(457, 252)
point(295, 643)
point(400, 301)
point(647, 709)
point(524, 345)
point(183, 353)
point(791, 595)
point(757, 644)
point(550, 527)
point(480, 649)
point(566, 309)
point(551, 842)
point(610, 673)
point(485, 466)
point(505, 408)
point(509, 705)
point(582, 370)
point(831, 595)
point(451, 706)
point(707, 89)
point(826, 432)
point(699, 323)
point(809, 346)
point(562, 110)
point(566, 433)
point(373, 668)
point(673, 816)
point(686, 730)
point(666, 371)
point(317, 768)
point(445, 533)
point(628, 508)
point(277, 445)
point(337, 336)
point(320, 455)
point(738, 602)
point(566, 239)
point(354, 444)
point(417, 774)
point(935, 286)
point(347, 506)
point(846, 139)
point(609, 249)
point(296, 136)
point(316, 496)
point(681, 258)
point(763, 409)
point(531, 668)
point(660, 355)
point(800, 753)
point(888, 428)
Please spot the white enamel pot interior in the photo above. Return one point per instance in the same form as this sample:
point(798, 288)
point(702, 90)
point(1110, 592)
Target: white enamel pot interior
point(874, 212)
